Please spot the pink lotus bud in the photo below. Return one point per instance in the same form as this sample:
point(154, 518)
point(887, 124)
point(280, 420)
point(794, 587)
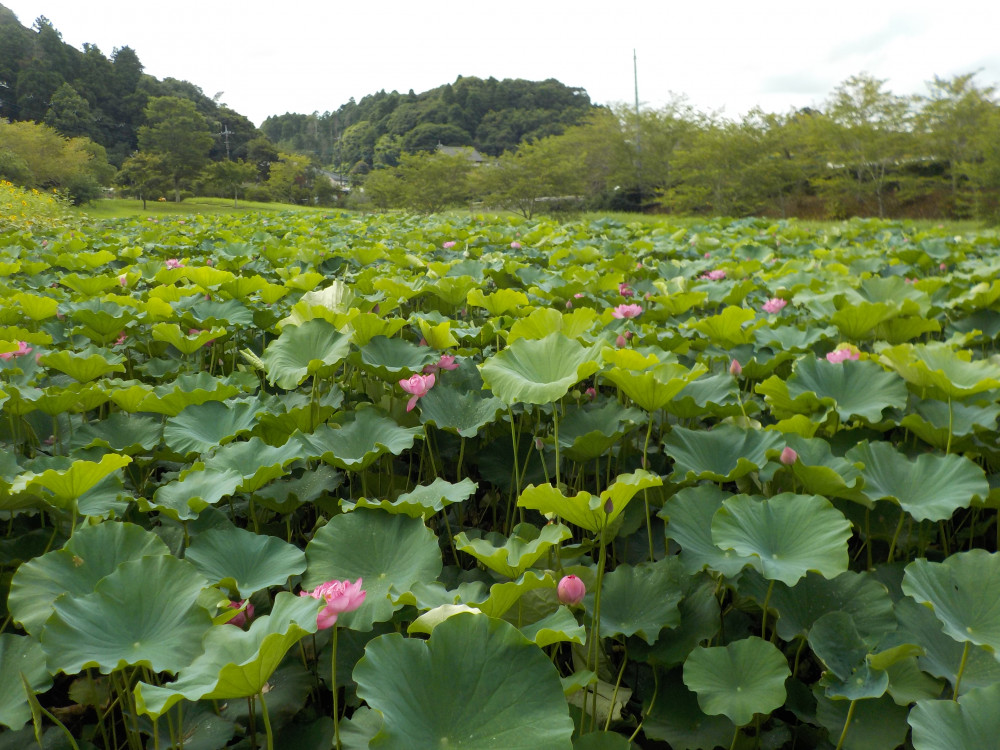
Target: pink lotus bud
point(735, 368)
point(569, 305)
point(515, 245)
point(123, 279)
point(841, 355)
point(448, 245)
point(590, 393)
point(340, 597)
point(243, 617)
point(620, 341)
point(416, 386)
point(539, 443)
point(609, 506)
point(788, 456)
point(571, 591)
point(625, 290)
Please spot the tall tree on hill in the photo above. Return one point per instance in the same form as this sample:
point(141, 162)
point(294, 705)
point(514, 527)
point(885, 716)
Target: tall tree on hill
point(180, 135)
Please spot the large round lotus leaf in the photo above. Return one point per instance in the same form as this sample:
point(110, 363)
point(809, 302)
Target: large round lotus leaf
point(459, 410)
point(84, 366)
point(546, 320)
point(877, 724)
point(121, 433)
point(602, 741)
point(929, 488)
point(971, 722)
point(476, 683)
point(861, 389)
point(641, 600)
point(585, 510)
point(728, 328)
point(788, 534)
point(236, 663)
point(743, 678)
point(558, 627)
point(366, 326)
point(393, 359)
point(835, 641)
point(242, 561)
point(385, 551)
point(718, 395)
point(654, 388)
point(503, 596)
point(145, 613)
point(539, 371)
point(936, 422)
point(499, 302)
point(721, 454)
point(936, 365)
point(424, 501)
point(201, 427)
point(20, 655)
point(511, 556)
point(823, 473)
point(675, 717)
point(586, 433)
point(857, 594)
point(362, 439)
point(256, 461)
point(92, 553)
point(858, 319)
point(66, 486)
point(688, 516)
point(302, 350)
point(700, 620)
point(187, 497)
point(185, 343)
point(963, 591)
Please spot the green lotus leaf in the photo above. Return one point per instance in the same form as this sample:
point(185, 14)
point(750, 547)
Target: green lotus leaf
point(936, 424)
point(201, 728)
point(91, 554)
point(423, 501)
point(728, 328)
point(172, 398)
point(393, 359)
point(546, 321)
point(908, 683)
point(654, 388)
point(717, 395)
point(453, 290)
point(196, 490)
point(856, 594)
point(676, 718)
point(721, 454)
point(499, 302)
point(242, 561)
point(425, 596)
point(256, 461)
point(792, 338)
point(212, 313)
point(788, 534)
point(367, 326)
point(426, 702)
point(437, 336)
point(304, 350)
point(511, 557)
point(539, 371)
point(835, 641)
point(942, 655)
point(859, 319)
point(122, 433)
point(186, 343)
point(823, 473)
point(559, 627)
point(935, 365)
point(972, 721)
point(365, 436)
point(898, 330)
point(503, 596)
point(145, 613)
point(387, 552)
point(68, 485)
point(236, 663)
point(459, 410)
point(861, 389)
point(963, 591)
point(877, 724)
point(75, 397)
point(743, 678)
point(586, 510)
point(201, 427)
point(929, 488)
point(20, 656)
point(602, 741)
point(101, 321)
point(285, 495)
point(84, 366)
point(688, 515)
point(641, 600)
point(784, 406)
point(35, 306)
point(586, 433)
point(700, 620)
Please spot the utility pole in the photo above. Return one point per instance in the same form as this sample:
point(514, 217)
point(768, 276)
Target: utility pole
point(226, 132)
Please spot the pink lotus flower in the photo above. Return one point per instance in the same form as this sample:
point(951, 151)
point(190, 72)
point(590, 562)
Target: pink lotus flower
point(788, 456)
point(515, 245)
point(735, 369)
point(590, 393)
point(416, 386)
point(715, 275)
point(123, 279)
point(174, 263)
point(340, 597)
point(773, 305)
point(625, 290)
point(620, 341)
point(569, 304)
point(627, 311)
point(243, 617)
point(578, 295)
point(121, 339)
point(446, 362)
point(22, 349)
point(841, 355)
point(571, 591)
point(448, 245)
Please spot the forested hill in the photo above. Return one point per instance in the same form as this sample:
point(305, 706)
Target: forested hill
point(85, 93)
point(492, 116)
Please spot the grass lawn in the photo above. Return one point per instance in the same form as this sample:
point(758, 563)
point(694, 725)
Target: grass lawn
point(114, 208)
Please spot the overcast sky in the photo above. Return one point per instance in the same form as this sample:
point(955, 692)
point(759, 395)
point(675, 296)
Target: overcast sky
point(269, 58)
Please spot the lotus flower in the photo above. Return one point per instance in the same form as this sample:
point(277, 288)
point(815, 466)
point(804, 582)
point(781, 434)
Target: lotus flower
point(625, 290)
point(174, 263)
point(773, 305)
point(627, 311)
point(446, 362)
point(448, 245)
point(340, 597)
point(243, 617)
point(840, 355)
point(788, 456)
point(416, 386)
point(735, 368)
point(715, 275)
point(571, 590)
point(123, 279)
point(22, 349)
point(515, 245)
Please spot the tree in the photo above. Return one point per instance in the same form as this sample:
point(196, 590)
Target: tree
point(180, 135)
point(384, 189)
point(262, 153)
point(290, 180)
point(230, 176)
point(69, 113)
point(433, 182)
point(141, 175)
point(522, 180)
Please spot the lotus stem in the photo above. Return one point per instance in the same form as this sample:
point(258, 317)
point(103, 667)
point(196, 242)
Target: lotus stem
point(267, 721)
point(895, 536)
point(645, 491)
point(961, 670)
point(555, 434)
point(614, 694)
point(847, 725)
point(767, 599)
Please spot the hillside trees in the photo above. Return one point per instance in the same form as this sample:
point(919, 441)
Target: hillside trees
point(141, 175)
point(179, 135)
point(230, 176)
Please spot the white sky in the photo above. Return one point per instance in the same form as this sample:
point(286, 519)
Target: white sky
point(269, 58)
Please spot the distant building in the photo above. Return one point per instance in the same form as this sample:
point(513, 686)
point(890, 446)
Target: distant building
point(468, 152)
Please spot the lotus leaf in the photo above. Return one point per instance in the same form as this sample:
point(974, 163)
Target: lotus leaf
point(538, 371)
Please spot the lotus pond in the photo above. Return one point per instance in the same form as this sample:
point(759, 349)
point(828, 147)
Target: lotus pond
point(585, 485)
